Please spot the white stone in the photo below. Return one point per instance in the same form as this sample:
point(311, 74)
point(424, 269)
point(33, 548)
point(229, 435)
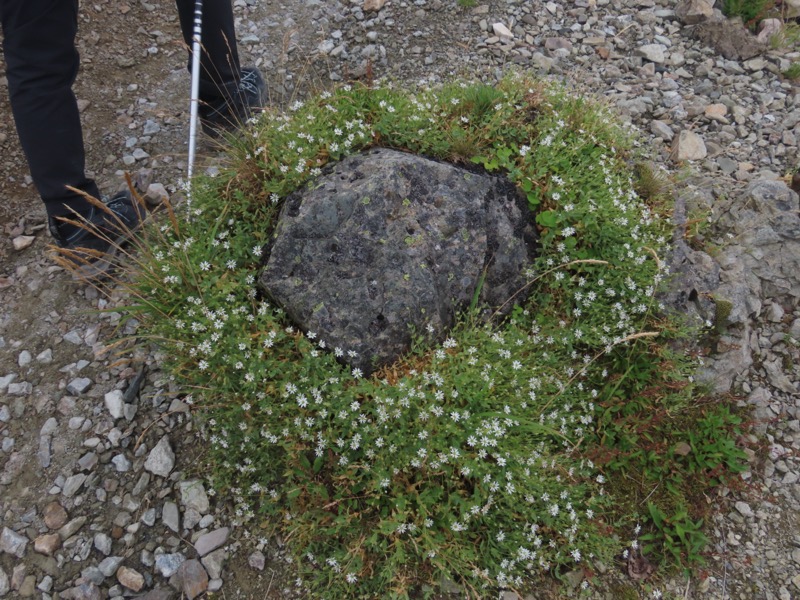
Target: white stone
point(103, 543)
point(161, 459)
point(687, 145)
point(653, 52)
point(24, 358)
point(45, 357)
point(121, 463)
point(744, 509)
point(23, 241)
point(502, 31)
point(167, 564)
point(114, 403)
point(193, 495)
point(12, 543)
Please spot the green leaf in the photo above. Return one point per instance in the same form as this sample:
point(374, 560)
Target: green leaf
point(320, 460)
point(547, 218)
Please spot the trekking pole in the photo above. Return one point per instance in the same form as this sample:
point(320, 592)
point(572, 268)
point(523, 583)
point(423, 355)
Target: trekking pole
point(195, 93)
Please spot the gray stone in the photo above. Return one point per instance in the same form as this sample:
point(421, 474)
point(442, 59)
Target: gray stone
point(88, 461)
point(213, 563)
point(79, 385)
point(73, 484)
point(653, 52)
point(43, 455)
point(257, 560)
point(167, 564)
point(161, 459)
point(171, 517)
point(768, 28)
point(12, 542)
point(84, 591)
point(93, 574)
point(688, 146)
point(50, 426)
point(191, 518)
point(24, 358)
point(23, 388)
point(744, 509)
point(108, 566)
point(74, 337)
point(114, 403)
point(558, 43)
point(386, 242)
point(193, 495)
point(692, 12)
point(46, 584)
point(121, 463)
point(7, 380)
point(103, 543)
point(72, 527)
point(190, 578)
point(206, 521)
point(5, 585)
point(544, 64)
point(211, 541)
point(662, 130)
point(149, 517)
point(727, 165)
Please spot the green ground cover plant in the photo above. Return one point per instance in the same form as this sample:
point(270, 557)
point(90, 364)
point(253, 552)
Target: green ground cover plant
point(515, 447)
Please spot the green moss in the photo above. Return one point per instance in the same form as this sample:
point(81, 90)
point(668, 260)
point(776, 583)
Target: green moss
point(722, 310)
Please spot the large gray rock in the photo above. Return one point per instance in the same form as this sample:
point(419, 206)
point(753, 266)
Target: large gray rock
point(761, 259)
point(691, 12)
point(729, 37)
point(385, 242)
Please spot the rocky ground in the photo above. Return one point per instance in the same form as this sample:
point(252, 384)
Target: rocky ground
point(101, 471)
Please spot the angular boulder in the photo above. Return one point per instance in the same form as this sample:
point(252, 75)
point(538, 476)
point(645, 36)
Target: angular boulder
point(385, 244)
point(692, 12)
point(729, 38)
point(761, 260)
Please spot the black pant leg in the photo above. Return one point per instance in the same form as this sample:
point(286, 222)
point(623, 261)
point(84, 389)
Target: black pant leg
point(219, 59)
point(42, 62)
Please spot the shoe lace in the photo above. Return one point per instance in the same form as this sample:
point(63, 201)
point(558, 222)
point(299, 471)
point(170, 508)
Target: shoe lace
point(249, 83)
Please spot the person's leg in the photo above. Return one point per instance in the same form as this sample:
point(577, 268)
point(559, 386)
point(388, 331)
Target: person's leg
point(228, 93)
point(219, 61)
point(41, 64)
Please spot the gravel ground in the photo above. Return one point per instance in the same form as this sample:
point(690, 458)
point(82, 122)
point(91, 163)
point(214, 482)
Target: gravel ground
point(101, 492)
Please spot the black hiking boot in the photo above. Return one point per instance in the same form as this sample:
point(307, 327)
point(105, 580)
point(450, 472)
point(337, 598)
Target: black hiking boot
point(88, 250)
point(222, 114)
